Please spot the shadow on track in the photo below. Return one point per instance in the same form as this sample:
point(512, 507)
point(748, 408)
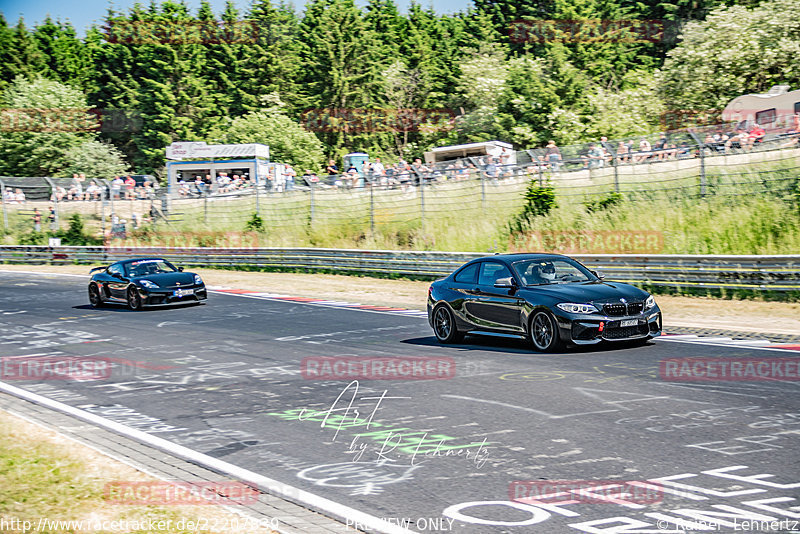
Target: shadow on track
point(521, 346)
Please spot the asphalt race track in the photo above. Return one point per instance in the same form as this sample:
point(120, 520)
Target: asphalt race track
point(225, 379)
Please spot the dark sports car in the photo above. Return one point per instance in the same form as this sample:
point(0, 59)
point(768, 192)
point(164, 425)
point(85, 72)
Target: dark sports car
point(550, 299)
point(144, 282)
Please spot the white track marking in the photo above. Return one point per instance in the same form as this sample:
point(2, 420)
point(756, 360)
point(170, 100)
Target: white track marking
point(271, 486)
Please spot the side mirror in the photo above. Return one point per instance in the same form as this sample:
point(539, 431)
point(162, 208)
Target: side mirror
point(598, 274)
point(505, 282)
point(180, 269)
point(117, 275)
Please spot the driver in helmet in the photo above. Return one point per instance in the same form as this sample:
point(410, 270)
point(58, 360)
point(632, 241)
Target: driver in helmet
point(545, 271)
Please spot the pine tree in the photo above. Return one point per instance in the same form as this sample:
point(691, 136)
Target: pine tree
point(66, 56)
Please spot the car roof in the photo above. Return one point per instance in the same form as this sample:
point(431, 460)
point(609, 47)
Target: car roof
point(521, 256)
point(132, 260)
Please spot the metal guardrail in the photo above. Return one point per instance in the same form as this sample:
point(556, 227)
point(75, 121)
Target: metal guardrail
point(756, 273)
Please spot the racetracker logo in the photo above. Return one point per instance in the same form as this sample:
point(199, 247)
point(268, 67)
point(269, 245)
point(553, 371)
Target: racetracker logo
point(729, 369)
point(359, 120)
point(621, 492)
point(69, 120)
point(162, 493)
point(590, 242)
point(586, 31)
point(370, 368)
point(181, 32)
point(54, 368)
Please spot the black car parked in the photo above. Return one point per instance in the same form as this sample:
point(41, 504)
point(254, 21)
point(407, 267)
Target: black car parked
point(143, 282)
point(550, 299)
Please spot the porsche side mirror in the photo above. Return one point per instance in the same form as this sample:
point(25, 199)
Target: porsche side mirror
point(505, 282)
point(598, 274)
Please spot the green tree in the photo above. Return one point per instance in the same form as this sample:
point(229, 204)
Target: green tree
point(55, 133)
point(736, 50)
point(66, 57)
point(288, 141)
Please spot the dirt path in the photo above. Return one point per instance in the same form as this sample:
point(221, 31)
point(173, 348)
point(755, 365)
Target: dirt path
point(740, 315)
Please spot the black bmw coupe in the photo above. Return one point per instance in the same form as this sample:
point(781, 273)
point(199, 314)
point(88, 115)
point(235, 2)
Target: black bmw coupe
point(550, 299)
point(143, 282)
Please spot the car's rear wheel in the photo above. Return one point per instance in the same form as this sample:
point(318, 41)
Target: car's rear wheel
point(134, 299)
point(94, 296)
point(444, 325)
point(544, 332)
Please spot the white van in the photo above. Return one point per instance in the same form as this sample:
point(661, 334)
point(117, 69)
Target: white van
point(776, 111)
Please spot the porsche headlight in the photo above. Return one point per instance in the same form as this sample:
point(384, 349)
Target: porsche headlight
point(650, 302)
point(577, 308)
point(148, 284)
point(197, 280)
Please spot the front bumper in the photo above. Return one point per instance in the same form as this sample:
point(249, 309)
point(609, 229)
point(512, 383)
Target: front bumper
point(167, 297)
point(591, 329)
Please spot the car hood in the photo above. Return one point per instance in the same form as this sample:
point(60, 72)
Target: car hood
point(169, 279)
point(589, 291)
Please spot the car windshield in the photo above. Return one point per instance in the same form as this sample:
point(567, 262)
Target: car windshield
point(551, 271)
point(148, 267)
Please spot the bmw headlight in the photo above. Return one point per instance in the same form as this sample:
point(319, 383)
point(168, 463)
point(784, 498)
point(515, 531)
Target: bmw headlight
point(197, 280)
point(577, 308)
point(148, 284)
point(650, 302)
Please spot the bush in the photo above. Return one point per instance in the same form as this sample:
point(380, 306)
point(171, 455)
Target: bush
point(255, 224)
point(539, 201)
point(604, 203)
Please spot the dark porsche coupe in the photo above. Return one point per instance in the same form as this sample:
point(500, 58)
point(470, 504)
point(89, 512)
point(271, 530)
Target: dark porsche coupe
point(550, 299)
point(143, 282)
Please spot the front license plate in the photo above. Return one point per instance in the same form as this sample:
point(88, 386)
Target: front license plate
point(629, 322)
point(182, 292)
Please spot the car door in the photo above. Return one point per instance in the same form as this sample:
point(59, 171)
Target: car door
point(494, 307)
point(462, 289)
point(117, 283)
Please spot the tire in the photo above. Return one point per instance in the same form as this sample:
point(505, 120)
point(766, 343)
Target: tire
point(444, 325)
point(134, 299)
point(543, 332)
point(95, 299)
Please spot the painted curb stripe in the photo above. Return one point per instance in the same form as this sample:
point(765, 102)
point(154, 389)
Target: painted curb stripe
point(268, 485)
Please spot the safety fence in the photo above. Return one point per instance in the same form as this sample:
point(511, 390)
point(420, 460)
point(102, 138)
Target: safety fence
point(754, 273)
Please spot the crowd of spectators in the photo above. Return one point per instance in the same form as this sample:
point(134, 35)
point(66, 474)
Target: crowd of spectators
point(205, 185)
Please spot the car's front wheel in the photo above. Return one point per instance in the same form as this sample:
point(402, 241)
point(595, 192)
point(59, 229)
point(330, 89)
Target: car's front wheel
point(444, 325)
point(94, 296)
point(134, 299)
point(544, 332)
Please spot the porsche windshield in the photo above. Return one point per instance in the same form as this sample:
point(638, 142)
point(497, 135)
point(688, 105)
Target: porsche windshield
point(551, 271)
point(148, 267)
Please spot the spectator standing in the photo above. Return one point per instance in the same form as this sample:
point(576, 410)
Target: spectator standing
point(597, 157)
point(37, 220)
point(553, 155)
point(130, 184)
point(52, 219)
point(622, 152)
point(490, 170)
point(116, 187)
point(289, 174)
point(19, 197)
point(331, 169)
point(378, 168)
